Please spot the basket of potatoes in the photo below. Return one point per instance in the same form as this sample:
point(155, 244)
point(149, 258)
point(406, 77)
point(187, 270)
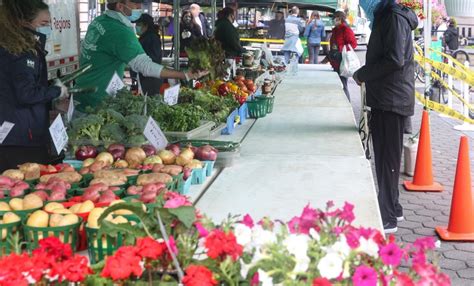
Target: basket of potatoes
point(40, 224)
point(100, 246)
point(21, 206)
point(9, 225)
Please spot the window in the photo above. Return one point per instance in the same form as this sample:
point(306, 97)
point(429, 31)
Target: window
point(469, 32)
point(463, 31)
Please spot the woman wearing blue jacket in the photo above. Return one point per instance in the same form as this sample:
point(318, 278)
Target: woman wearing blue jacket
point(25, 98)
point(314, 34)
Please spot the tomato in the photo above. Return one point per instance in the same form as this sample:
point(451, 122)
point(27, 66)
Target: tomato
point(248, 81)
point(163, 87)
point(223, 89)
point(239, 78)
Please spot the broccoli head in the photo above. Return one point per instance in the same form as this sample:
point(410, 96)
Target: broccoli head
point(112, 132)
point(136, 140)
point(134, 124)
point(87, 127)
point(111, 116)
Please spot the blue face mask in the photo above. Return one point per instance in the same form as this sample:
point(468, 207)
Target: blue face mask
point(45, 30)
point(369, 9)
point(136, 14)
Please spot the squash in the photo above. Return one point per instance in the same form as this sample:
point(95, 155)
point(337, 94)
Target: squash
point(5, 207)
point(86, 207)
point(69, 219)
point(32, 201)
point(10, 218)
point(54, 219)
point(16, 204)
point(52, 206)
point(38, 218)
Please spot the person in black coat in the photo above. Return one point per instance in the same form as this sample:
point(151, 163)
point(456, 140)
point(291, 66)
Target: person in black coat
point(389, 78)
point(151, 43)
point(451, 36)
point(227, 34)
point(25, 97)
point(189, 31)
point(200, 20)
point(276, 27)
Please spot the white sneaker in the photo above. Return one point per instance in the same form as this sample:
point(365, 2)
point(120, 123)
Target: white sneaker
point(389, 228)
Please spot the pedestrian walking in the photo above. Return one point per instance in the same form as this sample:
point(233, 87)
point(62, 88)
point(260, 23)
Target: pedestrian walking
point(293, 28)
point(389, 78)
point(314, 33)
point(342, 36)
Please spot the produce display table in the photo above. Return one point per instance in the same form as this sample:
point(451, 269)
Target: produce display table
point(307, 151)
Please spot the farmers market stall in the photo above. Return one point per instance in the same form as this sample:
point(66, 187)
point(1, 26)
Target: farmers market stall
point(307, 151)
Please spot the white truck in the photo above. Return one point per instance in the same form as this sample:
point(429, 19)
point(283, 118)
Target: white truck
point(63, 44)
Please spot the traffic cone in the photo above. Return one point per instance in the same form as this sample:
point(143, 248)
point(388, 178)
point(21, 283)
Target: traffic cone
point(423, 178)
point(461, 217)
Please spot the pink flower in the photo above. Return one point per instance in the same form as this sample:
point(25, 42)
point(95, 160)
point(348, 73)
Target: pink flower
point(347, 212)
point(329, 204)
point(173, 246)
point(176, 202)
point(255, 280)
point(305, 222)
point(203, 232)
point(403, 279)
point(364, 276)
point(391, 254)
point(424, 243)
point(294, 224)
point(419, 258)
point(248, 221)
point(352, 238)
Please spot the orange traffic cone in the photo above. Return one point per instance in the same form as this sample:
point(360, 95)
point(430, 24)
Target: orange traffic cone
point(423, 178)
point(461, 218)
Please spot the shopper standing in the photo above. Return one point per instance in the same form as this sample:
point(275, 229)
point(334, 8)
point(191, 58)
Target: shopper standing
point(189, 31)
point(389, 78)
point(293, 28)
point(200, 20)
point(342, 36)
point(314, 33)
point(227, 34)
point(276, 27)
point(451, 36)
point(25, 97)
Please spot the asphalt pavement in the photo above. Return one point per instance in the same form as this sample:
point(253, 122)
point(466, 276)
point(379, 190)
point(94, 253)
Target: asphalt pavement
point(424, 211)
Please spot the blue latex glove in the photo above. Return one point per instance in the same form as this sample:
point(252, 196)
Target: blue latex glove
point(369, 8)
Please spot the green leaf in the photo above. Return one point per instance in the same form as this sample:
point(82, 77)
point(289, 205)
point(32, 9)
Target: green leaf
point(131, 232)
point(186, 214)
point(147, 221)
point(96, 280)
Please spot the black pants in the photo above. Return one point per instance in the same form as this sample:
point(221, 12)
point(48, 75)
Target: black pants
point(12, 156)
point(344, 86)
point(387, 137)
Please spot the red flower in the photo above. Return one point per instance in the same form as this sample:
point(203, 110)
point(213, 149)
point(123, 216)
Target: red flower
point(71, 270)
point(11, 268)
point(150, 248)
point(197, 275)
point(221, 244)
point(321, 282)
point(53, 247)
point(123, 264)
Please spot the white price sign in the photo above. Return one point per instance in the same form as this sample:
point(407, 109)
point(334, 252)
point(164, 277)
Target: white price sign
point(154, 134)
point(171, 95)
point(58, 134)
point(115, 85)
point(5, 130)
point(70, 109)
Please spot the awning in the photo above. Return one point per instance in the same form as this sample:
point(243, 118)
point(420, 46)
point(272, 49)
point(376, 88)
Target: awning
point(322, 5)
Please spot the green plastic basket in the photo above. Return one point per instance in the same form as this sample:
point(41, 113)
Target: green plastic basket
point(257, 108)
point(269, 100)
point(7, 230)
point(100, 247)
point(21, 214)
point(69, 234)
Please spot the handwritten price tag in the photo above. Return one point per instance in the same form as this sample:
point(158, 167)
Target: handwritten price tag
point(5, 130)
point(154, 134)
point(171, 95)
point(70, 109)
point(58, 134)
point(115, 85)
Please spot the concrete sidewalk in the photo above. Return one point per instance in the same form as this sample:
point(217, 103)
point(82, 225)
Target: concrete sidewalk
point(424, 211)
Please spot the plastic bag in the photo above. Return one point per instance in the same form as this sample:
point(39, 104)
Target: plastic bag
point(299, 48)
point(350, 62)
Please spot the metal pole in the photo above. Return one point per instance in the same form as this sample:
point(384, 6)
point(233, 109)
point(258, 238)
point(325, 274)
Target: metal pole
point(176, 33)
point(450, 84)
point(427, 40)
point(213, 16)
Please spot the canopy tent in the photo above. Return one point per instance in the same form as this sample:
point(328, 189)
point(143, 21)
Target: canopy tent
point(322, 5)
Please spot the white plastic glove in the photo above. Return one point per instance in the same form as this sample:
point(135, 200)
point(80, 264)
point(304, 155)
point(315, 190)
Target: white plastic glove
point(64, 92)
point(195, 75)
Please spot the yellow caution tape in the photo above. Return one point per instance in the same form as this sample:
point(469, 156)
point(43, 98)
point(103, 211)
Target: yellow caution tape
point(459, 74)
point(255, 40)
point(453, 92)
point(456, 62)
point(443, 109)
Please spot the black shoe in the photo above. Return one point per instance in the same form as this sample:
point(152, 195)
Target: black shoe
point(390, 228)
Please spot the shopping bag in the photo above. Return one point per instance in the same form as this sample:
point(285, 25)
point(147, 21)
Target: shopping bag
point(350, 62)
point(299, 48)
point(364, 130)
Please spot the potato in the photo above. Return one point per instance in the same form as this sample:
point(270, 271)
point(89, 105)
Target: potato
point(31, 170)
point(32, 201)
point(120, 212)
point(153, 178)
point(16, 204)
point(54, 219)
point(14, 174)
point(4, 207)
point(88, 162)
point(105, 157)
point(52, 206)
point(118, 220)
point(38, 218)
point(94, 216)
point(111, 181)
point(10, 218)
point(86, 207)
point(69, 220)
point(61, 211)
point(70, 177)
point(75, 208)
point(172, 170)
point(121, 164)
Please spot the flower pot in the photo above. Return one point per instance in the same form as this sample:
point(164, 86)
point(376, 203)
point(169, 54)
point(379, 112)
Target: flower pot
point(459, 8)
point(410, 149)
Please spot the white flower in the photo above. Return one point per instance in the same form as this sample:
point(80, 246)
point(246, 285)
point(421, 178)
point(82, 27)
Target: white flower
point(340, 247)
point(244, 268)
point(297, 244)
point(257, 256)
point(201, 250)
point(369, 247)
point(302, 264)
point(264, 278)
point(243, 234)
point(438, 244)
point(314, 234)
point(330, 266)
point(261, 237)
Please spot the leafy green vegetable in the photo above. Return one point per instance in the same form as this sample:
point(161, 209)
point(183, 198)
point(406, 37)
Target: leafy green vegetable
point(208, 55)
point(87, 127)
point(112, 132)
point(134, 124)
point(111, 116)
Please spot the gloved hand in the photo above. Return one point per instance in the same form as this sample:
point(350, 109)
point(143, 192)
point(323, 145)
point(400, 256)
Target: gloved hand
point(64, 92)
point(195, 75)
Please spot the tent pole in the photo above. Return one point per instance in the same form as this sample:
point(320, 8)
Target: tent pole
point(213, 16)
point(176, 33)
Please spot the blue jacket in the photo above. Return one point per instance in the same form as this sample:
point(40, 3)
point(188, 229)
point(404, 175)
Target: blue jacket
point(25, 97)
point(315, 32)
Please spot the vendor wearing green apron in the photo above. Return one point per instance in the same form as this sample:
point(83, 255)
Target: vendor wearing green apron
point(110, 45)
